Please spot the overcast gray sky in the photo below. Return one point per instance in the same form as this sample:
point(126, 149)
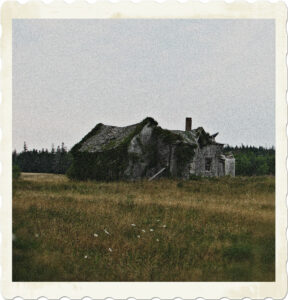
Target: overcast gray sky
point(69, 75)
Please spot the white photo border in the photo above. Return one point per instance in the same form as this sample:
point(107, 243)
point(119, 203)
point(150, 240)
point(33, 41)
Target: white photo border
point(145, 10)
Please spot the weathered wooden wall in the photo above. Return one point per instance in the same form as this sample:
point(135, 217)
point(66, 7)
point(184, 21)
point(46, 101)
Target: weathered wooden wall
point(219, 166)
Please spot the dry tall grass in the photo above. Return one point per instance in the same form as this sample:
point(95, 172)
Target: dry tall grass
point(199, 230)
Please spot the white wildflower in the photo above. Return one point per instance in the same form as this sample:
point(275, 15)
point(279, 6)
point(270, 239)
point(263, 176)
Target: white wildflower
point(106, 232)
point(157, 240)
point(36, 235)
point(158, 220)
point(95, 234)
point(133, 225)
point(164, 226)
point(143, 230)
point(110, 249)
point(85, 256)
point(151, 229)
point(138, 236)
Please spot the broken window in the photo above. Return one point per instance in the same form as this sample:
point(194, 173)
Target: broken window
point(208, 163)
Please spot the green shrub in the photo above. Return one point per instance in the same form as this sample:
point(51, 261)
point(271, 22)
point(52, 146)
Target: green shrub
point(16, 172)
point(180, 184)
point(195, 177)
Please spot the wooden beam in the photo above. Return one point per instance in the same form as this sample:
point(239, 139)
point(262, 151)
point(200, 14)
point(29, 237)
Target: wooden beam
point(158, 173)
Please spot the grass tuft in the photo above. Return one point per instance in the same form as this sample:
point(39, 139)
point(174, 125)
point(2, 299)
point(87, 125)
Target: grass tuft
point(238, 252)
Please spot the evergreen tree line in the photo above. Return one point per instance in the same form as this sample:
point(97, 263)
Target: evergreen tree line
point(42, 161)
point(252, 160)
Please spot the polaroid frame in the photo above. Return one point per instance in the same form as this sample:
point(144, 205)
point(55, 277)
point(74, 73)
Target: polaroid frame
point(145, 290)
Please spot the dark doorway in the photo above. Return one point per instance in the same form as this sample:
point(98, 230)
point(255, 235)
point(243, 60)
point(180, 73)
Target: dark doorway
point(208, 163)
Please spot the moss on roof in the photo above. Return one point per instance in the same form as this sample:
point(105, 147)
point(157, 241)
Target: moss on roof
point(105, 137)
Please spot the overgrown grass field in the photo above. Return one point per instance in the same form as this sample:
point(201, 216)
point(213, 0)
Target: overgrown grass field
point(218, 229)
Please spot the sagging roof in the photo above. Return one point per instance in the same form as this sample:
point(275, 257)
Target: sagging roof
point(107, 137)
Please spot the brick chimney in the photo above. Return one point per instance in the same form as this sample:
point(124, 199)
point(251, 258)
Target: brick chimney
point(188, 124)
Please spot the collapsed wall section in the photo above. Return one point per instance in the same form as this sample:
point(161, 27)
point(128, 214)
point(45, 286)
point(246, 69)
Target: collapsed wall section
point(110, 159)
point(141, 153)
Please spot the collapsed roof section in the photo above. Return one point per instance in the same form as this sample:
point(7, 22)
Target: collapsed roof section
point(107, 137)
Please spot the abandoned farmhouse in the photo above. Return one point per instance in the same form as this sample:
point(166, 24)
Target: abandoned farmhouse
point(145, 150)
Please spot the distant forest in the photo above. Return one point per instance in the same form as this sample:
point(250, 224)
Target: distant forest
point(42, 161)
point(250, 160)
